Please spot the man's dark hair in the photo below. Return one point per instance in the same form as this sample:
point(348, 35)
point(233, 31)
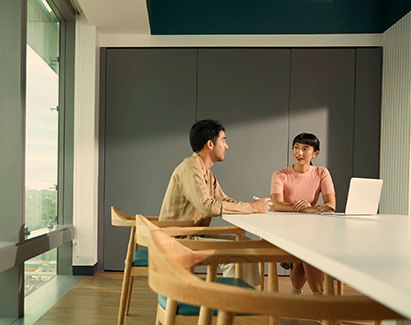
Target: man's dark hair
point(202, 131)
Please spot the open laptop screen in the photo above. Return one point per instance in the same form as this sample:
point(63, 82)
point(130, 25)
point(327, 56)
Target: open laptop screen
point(363, 196)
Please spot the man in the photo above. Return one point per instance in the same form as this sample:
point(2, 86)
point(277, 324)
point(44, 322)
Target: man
point(194, 193)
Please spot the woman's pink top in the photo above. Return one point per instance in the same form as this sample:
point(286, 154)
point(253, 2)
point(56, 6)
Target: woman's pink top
point(302, 186)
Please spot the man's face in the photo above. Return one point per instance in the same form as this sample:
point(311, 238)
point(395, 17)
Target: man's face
point(220, 147)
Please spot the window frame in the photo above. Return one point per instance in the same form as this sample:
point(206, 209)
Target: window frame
point(15, 247)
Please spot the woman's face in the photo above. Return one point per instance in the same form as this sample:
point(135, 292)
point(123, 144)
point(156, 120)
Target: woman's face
point(303, 153)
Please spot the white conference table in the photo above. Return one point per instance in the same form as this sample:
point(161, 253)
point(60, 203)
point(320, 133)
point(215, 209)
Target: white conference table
point(371, 254)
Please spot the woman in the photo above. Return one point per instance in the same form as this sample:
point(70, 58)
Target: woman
point(297, 189)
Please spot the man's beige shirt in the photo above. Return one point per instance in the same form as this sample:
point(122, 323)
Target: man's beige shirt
point(194, 193)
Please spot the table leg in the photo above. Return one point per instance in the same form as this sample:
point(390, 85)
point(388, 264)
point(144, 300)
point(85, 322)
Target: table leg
point(328, 291)
point(328, 285)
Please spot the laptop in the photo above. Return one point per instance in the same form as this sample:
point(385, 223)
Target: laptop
point(363, 197)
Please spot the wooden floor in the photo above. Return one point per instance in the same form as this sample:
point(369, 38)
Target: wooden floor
point(95, 300)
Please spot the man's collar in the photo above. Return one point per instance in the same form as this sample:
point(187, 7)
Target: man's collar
point(197, 156)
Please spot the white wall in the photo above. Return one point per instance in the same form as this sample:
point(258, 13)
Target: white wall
point(85, 144)
point(330, 40)
point(395, 118)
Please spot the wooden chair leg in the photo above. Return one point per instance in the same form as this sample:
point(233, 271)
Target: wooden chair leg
point(225, 318)
point(191, 269)
point(126, 277)
point(171, 310)
point(159, 315)
point(130, 291)
point(239, 267)
point(262, 275)
point(238, 273)
point(273, 286)
point(340, 288)
point(206, 314)
point(272, 277)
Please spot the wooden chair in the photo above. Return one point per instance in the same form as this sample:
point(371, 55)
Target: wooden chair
point(168, 276)
point(136, 264)
point(170, 311)
point(137, 259)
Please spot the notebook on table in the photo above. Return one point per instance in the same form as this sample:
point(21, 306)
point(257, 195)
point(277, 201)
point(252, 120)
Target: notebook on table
point(363, 197)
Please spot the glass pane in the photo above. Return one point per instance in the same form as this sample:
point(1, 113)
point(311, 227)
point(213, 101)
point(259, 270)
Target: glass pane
point(39, 270)
point(41, 115)
point(42, 98)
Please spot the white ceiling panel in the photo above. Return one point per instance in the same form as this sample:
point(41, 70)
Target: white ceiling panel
point(117, 16)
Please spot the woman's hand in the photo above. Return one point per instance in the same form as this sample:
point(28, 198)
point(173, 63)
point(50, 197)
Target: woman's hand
point(324, 208)
point(319, 208)
point(300, 205)
point(303, 205)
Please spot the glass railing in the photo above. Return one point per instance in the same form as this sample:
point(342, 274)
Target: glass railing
point(39, 270)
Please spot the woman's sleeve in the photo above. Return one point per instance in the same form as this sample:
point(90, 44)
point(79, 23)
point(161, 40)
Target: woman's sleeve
point(327, 185)
point(277, 183)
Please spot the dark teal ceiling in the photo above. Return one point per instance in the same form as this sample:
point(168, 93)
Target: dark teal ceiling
point(193, 17)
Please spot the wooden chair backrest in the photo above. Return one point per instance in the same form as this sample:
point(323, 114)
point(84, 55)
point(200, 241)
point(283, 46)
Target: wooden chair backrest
point(144, 228)
point(143, 232)
point(168, 276)
point(121, 219)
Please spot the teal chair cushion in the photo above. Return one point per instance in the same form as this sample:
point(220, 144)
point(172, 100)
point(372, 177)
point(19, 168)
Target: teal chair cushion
point(185, 309)
point(140, 257)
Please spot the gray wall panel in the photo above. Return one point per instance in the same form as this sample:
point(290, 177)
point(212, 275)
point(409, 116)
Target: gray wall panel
point(367, 113)
point(248, 90)
point(150, 106)
point(101, 159)
point(264, 97)
point(322, 102)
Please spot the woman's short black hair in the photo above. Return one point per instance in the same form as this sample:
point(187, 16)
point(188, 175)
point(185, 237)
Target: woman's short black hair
point(309, 139)
point(204, 130)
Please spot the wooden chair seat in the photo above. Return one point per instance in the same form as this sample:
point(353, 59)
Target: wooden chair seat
point(140, 258)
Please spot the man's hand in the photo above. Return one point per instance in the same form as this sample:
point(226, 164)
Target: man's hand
point(261, 205)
